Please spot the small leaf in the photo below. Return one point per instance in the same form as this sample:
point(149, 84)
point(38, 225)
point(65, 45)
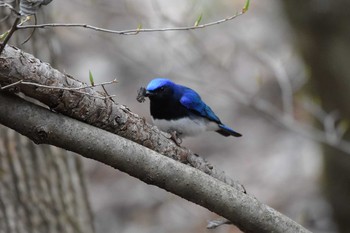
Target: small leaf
point(246, 6)
point(198, 20)
point(25, 19)
point(139, 27)
point(91, 78)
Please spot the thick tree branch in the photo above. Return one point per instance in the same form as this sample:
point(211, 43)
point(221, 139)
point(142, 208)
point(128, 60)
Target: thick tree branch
point(44, 126)
point(16, 65)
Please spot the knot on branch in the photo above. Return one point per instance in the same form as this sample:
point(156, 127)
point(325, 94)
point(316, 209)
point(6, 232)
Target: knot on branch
point(4, 63)
point(41, 134)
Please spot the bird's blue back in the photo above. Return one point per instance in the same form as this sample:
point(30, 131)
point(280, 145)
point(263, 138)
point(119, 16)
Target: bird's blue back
point(186, 97)
point(170, 101)
point(193, 102)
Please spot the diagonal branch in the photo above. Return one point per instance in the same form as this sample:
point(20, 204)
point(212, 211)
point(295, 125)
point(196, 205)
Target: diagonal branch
point(16, 65)
point(44, 126)
point(9, 34)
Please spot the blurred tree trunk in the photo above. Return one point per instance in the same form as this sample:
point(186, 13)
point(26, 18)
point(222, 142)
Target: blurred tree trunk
point(42, 188)
point(323, 36)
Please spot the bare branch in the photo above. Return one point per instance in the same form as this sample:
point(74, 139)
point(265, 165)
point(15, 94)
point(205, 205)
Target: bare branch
point(107, 94)
point(215, 191)
point(13, 29)
point(9, 34)
point(44, 126)
point(11, 85)
point(16, 65)
point(75, 89)
point(4, 4)
point(56, 87)
point(131, 31)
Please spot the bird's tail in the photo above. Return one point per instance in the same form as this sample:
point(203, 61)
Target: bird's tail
point(226, 131)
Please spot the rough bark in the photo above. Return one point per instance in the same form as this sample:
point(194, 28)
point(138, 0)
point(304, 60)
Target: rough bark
point(41, 188)
point(16, 65)
point(44, 126)
point(323, 35)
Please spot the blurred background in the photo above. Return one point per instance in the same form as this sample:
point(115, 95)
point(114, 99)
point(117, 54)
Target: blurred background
point(278, 74)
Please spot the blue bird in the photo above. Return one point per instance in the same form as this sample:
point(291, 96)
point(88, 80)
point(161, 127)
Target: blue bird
point(179, 109)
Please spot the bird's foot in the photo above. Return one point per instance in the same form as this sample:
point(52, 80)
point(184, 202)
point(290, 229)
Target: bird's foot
point(175, 137)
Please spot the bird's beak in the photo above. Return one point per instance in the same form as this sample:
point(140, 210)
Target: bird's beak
point(148, 94)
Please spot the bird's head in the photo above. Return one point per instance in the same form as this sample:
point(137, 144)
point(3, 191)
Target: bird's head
point(160, 88)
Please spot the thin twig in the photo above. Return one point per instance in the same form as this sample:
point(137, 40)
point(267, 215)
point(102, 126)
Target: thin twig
point(11, 85)
point(11, 8)
point(104, 89)
point(131, 31)
point(56, 87)
point(14, 26)
point(32, 33)
point(75, 89)
point(9, 34)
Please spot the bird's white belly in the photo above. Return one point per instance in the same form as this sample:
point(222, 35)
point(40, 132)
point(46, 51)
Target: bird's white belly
point(186, 126)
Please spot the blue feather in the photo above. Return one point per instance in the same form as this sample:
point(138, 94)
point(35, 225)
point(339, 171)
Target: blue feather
point(227, 131)
point(179, 108)
point(191, 100)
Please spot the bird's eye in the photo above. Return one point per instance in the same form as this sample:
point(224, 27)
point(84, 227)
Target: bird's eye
point(162, 89)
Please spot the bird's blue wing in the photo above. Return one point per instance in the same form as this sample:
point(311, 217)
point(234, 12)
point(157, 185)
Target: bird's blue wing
point(192, 101)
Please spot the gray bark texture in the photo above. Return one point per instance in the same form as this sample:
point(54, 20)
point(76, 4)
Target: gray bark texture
point(44, 126)
point(323, 35)
point(212, 190)
point(16, 65)
point(41, 188)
